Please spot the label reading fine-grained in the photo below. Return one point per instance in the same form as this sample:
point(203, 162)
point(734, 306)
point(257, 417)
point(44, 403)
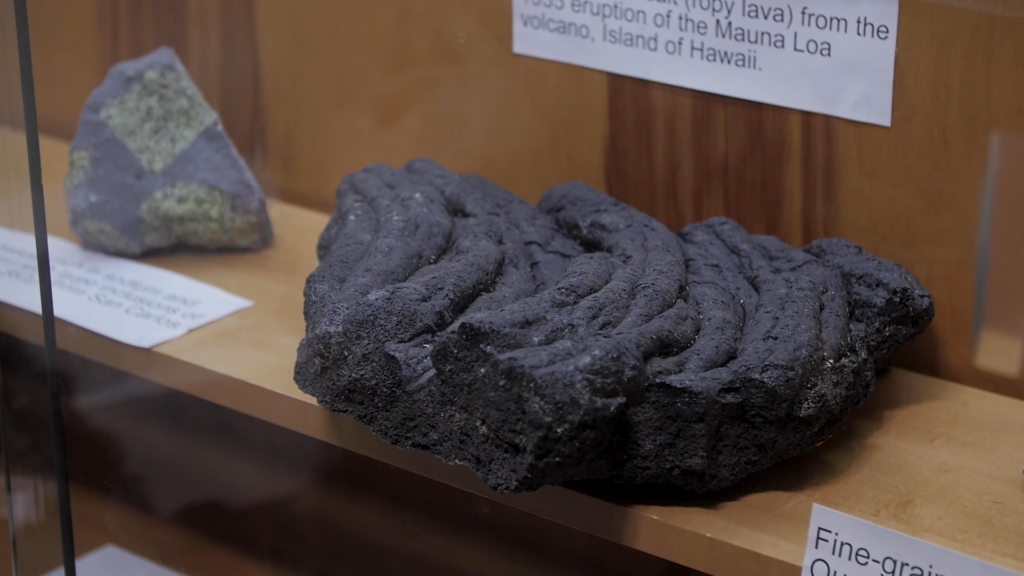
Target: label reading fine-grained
point(833, 57)
point(841, 545)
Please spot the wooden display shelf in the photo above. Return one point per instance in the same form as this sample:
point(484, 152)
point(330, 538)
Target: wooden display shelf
point(933, 459)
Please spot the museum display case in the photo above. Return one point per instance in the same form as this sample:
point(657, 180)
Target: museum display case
point(511, 287)
point(36, 499)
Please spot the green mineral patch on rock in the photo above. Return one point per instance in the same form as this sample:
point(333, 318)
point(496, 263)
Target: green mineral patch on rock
point(198, 216)
point(108, 238)
point(158, 117)
point(81, 163)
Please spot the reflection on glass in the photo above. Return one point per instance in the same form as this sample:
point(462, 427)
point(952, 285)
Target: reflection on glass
point(999, 335)
point(31, 468)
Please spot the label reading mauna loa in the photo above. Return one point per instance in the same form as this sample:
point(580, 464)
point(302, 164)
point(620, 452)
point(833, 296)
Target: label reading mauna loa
point(833, 57)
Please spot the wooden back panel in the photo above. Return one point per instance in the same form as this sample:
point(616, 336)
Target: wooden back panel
point(912, 193)
point(313, 93)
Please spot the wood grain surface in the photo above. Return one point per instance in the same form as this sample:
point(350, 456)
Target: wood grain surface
point(936, 460)
point(10, 80)
point(312, 93)
point(685, 156)
point(349, 84)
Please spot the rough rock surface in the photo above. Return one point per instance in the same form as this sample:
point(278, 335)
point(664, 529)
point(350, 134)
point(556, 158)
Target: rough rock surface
point(581, 339)
point(153, 170)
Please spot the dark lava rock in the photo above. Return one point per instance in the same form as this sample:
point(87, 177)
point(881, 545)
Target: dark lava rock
point(153, 170)
point(581, 339)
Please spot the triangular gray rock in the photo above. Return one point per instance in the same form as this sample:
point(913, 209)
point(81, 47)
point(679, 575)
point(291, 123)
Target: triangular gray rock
point(152, 168)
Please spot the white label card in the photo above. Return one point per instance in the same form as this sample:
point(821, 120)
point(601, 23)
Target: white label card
point(111, 560)
point(834, 57)
point(841, 545)
point(127, 301)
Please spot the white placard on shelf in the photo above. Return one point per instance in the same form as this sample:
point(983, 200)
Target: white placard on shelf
point(122, 299)
point(111, 560)
point(842, 545)
point(833, 57)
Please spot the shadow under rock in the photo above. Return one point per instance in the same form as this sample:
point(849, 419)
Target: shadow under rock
point(921, 354)
point(167, 253)
point(815, 468)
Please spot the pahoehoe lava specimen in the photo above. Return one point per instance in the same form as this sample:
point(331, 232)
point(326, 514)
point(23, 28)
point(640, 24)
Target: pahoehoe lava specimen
point(581, 339)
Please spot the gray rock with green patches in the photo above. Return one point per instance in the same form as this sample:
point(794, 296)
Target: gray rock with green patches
point(152, 169)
